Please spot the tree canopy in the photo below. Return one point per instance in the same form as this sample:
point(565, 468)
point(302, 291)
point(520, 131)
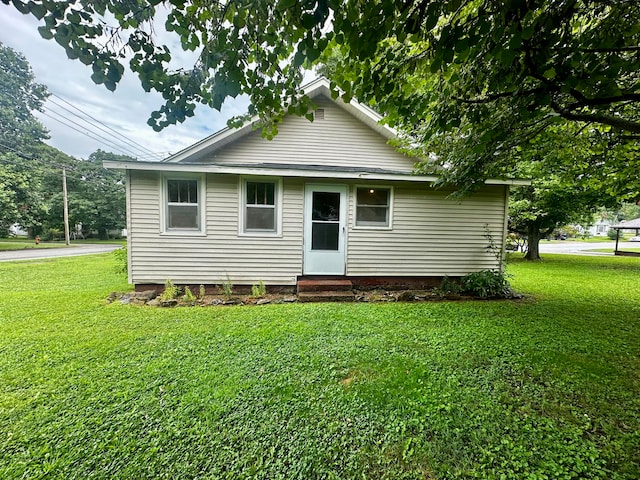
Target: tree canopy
point(574, 59)
point(30, 171)
point(476, 88)
point(20, 95)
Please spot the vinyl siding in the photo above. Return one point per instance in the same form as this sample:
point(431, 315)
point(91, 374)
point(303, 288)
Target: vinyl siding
point(338, 140)
point(210, 258)
point(432, 234)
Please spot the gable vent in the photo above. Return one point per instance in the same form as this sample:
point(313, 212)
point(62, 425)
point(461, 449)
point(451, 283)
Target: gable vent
point(319, 114)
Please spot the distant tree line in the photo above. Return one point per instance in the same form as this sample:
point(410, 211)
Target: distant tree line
point(31, 171)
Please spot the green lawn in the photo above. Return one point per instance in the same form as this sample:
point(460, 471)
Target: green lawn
point(608, 250)
point(20, 243)
point(593, 239)
point(548, 387)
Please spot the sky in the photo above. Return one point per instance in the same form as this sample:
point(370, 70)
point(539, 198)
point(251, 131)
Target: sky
point(126, 110)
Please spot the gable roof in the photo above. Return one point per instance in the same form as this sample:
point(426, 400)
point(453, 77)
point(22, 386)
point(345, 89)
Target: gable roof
point(190, 158)
point(628, 224)
point(314, 89)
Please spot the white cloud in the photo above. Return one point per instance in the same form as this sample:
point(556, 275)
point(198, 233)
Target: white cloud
point(126, 110)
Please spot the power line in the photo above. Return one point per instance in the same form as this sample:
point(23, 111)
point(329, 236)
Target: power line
point(145, 151)
point(20, 154)
point(143, 148)
point(100, 138)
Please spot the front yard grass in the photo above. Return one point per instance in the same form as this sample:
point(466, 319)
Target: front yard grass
point(21, 244)
point(548, 387)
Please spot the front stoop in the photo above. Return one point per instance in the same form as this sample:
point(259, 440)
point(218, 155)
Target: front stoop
point(326, 296)
point(325, 290)
point(324, 285)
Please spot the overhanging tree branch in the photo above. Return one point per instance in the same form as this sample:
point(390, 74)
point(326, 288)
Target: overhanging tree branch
point(592, 102)
point(621, 123)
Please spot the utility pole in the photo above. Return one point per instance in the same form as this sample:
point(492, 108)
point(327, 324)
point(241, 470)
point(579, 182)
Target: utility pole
point(66, 206)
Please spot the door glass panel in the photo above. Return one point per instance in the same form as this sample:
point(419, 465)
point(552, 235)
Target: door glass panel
point(324, 236)
point(326, 206)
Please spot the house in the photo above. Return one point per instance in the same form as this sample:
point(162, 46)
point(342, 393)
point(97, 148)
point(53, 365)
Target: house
point(600, 227)
point(324, 198)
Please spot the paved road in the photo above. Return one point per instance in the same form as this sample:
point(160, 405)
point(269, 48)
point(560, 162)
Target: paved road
point(74, 250)
point(584, 247)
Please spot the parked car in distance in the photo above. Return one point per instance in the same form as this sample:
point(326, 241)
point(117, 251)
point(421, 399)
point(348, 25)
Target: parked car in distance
point(634, 239)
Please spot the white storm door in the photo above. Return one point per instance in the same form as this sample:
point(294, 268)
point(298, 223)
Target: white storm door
point(325, 219)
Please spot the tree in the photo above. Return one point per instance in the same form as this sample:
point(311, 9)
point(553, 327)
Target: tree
point(96, 195)
point(472, 84)
point(20, 96)
point(20, 131)
point(20, 193)
point(30, 171)
point(537, 60)
point(569, 183)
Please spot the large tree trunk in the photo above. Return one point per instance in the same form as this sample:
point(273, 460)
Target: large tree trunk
point(533, 242)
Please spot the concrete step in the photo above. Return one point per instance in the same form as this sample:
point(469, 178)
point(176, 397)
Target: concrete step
point(326, 296)
point(323, 285)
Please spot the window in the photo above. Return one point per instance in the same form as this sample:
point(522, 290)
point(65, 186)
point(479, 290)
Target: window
point(260, 206)
point(373, 207)
point(183, 201)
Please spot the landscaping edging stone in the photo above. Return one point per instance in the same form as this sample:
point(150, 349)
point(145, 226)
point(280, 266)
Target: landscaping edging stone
point(152, 298)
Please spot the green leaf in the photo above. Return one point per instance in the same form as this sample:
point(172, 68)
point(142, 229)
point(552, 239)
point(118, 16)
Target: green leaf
point(285, 4)
point(45, 33)
point(37, 10)
point(550, 73)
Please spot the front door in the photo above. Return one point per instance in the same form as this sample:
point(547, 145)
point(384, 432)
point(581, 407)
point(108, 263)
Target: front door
point(325, 217)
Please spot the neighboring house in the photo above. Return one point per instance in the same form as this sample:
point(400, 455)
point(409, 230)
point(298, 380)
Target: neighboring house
point(600, 228)
point(16, 230)
point(323, 198)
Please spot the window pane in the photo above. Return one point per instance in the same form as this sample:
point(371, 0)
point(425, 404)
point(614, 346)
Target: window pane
point(183, 216)
point(372, 216)
point(326, 206)
point(260, 218)
point(261, 193)
point(251, 193)
point(373, 196)
point(172, 187)
point(182, 191)
point(324, 236)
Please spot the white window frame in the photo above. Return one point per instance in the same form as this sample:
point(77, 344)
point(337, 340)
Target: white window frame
point(277, 198)
point(164, 207)
point(389, 226)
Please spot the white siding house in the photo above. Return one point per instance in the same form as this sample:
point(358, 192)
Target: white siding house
point(323, 198)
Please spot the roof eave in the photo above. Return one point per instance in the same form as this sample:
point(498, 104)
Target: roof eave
point(289, 171)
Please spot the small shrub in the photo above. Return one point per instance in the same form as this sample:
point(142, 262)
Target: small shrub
point(121, 260)
point(202, 291)
point(170, 291)
point(188, 295)
point(448, 287)
point(486, 283)
point(259, 290)
point(612, 232)
point(227, 287)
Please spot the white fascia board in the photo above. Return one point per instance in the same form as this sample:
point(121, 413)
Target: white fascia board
point(516, 182)
point(285, 172)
